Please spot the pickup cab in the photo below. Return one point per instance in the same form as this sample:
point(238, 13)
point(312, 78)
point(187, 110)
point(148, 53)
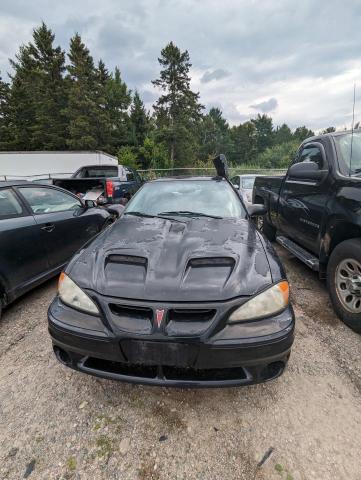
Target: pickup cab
point(314, 211)
point(103, 184)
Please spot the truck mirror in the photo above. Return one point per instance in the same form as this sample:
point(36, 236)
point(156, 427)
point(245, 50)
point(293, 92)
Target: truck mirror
point(90, 204)
point(306, 171)
point(256, 209)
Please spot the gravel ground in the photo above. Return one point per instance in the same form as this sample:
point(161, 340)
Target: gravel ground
point(60, 424)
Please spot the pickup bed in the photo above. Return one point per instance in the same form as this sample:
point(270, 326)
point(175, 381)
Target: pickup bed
point(104, 184)
point(314, 211)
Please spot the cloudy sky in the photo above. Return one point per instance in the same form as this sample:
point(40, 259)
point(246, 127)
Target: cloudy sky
point(294, 60)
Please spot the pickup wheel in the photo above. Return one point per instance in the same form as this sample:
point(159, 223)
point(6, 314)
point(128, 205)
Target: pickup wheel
point(344, 282)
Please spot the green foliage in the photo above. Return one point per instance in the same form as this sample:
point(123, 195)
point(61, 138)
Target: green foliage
point(54, 102)
point(154, 154)
point(139, 119)
point(278, 156)
point(264, 129)
point(177, 111)
point(127, 156)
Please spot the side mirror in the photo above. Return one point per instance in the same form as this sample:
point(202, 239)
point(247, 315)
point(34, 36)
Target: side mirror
point(256, 209)
point(90, 204)
point(235, 186)
point(306, 171)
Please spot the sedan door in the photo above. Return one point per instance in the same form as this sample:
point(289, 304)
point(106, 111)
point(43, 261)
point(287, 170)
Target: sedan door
point(23, 256)
point(63, 220)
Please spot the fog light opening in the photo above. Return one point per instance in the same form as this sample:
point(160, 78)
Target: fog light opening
point(62, 356)
point(275, 369)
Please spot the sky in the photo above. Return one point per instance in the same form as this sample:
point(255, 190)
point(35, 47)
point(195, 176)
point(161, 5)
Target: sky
point(296, 61)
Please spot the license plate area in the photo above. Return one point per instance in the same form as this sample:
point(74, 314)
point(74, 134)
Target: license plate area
point(159, 353)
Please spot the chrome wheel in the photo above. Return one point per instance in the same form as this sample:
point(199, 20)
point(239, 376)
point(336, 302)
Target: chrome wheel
point(348, 284)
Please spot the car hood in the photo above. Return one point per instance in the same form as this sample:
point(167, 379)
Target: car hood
point(198, 259)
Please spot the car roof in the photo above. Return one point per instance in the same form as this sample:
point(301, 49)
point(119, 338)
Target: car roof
point(14, 183)
point(186, 178)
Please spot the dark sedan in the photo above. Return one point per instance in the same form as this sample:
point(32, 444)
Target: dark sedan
point(182, 290)
point(41, 227)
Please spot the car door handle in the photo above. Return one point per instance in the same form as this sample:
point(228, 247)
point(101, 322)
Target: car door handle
point(49, 227)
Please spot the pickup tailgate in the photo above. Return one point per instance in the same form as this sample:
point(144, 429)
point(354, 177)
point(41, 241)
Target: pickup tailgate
point(92, 187)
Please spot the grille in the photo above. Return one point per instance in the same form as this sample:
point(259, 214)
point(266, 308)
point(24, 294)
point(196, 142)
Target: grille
point(128, 311)
point(190, 315)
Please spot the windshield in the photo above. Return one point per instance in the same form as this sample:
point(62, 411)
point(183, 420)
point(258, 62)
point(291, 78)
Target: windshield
point(248, 182)
point(207, 197)
point(349, 163)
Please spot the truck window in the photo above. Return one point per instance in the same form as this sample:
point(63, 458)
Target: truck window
point(311, 154)
point(91, 172)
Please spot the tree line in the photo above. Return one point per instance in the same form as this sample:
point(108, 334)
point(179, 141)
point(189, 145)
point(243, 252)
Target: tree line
point(59, 101)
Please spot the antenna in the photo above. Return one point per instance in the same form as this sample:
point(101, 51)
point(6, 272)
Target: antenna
point(353, 123)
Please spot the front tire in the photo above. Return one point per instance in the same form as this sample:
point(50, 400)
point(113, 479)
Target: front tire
point(344, 282)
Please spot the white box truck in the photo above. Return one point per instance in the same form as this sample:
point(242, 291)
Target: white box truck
point(42, 164)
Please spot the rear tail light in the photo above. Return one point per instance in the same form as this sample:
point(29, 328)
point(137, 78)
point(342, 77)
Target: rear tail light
point(109, 188)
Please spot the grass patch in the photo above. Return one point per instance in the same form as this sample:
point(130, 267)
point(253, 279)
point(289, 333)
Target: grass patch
point(71, 464)
point(105, 446)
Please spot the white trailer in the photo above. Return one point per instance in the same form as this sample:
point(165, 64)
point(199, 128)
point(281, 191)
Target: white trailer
point(42, 164)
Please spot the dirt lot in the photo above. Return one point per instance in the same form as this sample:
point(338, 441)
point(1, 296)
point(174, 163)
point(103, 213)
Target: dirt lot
point(59, 424)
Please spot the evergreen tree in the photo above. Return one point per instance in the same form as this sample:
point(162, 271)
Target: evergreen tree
point(264, 129)
point(282, 134)
point(49, 128)
point(21, 100)
point(82, 111)
point(215, 135)
point(37, 96)
point(301, 133)
point(118, 99)
point(177, 110)
point(139, 119)
point(5, 127)
point(244, 140)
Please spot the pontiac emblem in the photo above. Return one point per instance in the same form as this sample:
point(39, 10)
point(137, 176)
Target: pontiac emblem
point(159, 316)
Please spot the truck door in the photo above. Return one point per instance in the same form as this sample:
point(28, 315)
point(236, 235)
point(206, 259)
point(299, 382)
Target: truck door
point(304, 196)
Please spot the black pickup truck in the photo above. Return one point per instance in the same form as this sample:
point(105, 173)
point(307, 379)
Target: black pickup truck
point(314, 211)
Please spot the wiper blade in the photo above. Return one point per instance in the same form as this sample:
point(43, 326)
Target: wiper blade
point(140, 214)
point(147, 215)
point(356, 171)
point(189, 213)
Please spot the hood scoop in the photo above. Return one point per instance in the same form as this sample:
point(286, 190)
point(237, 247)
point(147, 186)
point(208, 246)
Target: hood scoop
point(212, 272)
point(124, 269)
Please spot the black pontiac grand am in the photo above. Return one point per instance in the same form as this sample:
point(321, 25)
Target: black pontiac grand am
point(182, 290)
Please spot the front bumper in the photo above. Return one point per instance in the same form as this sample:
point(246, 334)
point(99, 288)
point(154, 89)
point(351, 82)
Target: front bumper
point(222, 359)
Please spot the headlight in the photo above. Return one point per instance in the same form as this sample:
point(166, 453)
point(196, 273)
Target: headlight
point(267, 303)
point(72, 295)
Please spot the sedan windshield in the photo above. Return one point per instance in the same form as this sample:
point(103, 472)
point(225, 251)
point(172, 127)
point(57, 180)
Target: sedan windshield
point(187, 198)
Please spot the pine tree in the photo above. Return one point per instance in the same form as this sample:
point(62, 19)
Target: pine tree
point(244, 143)
point(49, 128)
point(82, 110)
point(178, 110)
point(4, 115)
point(264, 128)
point(21, 100)
point(139, 121)
point(214, 135)
point(118, 99)
point(37, 96)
